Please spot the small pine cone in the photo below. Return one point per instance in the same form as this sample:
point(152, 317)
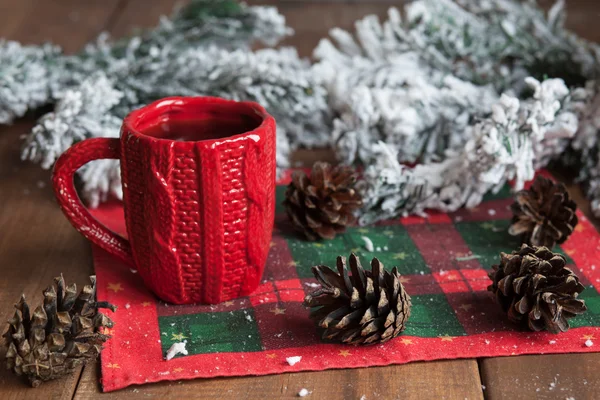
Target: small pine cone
point(59, 335)
point(535, 288)
point(323, 205)
point(544, 215)
point(364, 308)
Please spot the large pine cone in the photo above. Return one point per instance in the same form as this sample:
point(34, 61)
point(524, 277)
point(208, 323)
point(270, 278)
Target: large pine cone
point(544, 215)
point(536, 289)
point(59, 336)
point(362, 308)
point(323, 205)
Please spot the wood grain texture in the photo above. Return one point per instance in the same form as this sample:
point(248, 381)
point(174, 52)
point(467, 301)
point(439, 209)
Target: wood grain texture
point(13, 16)
point(69, 23)
point(556, 376)
point(456, 379)
point(142, 14)
point(581, 17)
point(37, 245)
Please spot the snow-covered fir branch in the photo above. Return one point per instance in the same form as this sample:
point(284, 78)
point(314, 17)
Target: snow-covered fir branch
point(500, 148)
point(204, 49)
point(277, 79)
point(383, 90)
point(81, 113)
point(415, 84)
point(202, 23)
point(586, 144)
point(413, 90)
point(24, 78)
point(442, 85)
point(31, 76)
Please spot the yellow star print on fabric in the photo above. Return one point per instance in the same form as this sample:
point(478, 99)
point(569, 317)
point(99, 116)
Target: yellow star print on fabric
point(178, 336)
point(465, 307)
point(446, 338)
point(345, 353)
point(228, 303)
point(407, 341)
point(488, 226)
point(179, 369)
point(113, 366)
point(272, 355)
point(115, 287)
point(399, 256)
point(588, 337)
point(278, 311)
point(146, 304)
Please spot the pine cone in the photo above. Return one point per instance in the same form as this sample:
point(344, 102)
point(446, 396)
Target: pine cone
point(323, 205)
point(363, 308)
point(544, 215)
point(536, 289)
point(58, 336)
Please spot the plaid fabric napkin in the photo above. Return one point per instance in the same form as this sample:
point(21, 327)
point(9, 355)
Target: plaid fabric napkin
point(443, 260)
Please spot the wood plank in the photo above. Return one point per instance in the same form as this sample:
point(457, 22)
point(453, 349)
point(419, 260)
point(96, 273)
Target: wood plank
point(582, 202)
point(557, 376)
point(138, 14)
point(581, 17)
point(38, 243)
point(312, 21)
point(70, 23)
point(456, 379)
point(18, 11)
point(453, 379)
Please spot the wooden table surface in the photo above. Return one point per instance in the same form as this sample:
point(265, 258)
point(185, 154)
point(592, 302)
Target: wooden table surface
point(37, 243)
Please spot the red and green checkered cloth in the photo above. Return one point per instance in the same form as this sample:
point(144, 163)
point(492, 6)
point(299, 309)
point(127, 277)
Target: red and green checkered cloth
point(443, 261)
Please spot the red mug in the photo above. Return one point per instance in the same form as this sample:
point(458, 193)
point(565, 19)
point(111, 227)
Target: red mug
point(198, 176)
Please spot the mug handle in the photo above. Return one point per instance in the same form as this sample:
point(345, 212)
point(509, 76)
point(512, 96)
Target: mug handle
point(64, 188)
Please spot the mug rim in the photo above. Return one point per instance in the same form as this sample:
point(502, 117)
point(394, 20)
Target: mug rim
point(129, 122)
